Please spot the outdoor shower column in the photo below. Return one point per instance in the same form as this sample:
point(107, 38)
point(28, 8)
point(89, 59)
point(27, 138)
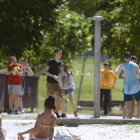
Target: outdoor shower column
point(97, 51)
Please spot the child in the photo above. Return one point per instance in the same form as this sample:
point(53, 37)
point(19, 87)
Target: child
point(68, 87)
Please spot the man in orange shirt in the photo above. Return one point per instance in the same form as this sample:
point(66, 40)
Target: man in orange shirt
point(107, 82)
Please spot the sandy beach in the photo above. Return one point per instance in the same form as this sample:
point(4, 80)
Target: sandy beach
point(87, 132)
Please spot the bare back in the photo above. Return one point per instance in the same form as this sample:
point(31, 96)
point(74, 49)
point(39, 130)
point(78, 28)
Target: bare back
point(44, 123)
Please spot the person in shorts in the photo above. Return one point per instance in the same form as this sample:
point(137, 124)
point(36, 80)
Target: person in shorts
point(131, 84)
point(53, 85)
point(68, 87)
point(121, 76)
point(107, 82)
point(15, 72)
point(26, 71)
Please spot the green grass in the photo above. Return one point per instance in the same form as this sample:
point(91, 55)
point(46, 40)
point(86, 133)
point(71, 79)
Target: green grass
point(87, 87)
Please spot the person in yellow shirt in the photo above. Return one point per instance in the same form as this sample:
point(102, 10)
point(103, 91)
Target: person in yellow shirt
point(107, 82)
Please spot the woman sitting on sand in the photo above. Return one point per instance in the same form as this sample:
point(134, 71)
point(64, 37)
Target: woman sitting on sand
point(44, 127)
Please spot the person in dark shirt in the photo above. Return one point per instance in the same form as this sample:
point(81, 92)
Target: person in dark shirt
point(53, 81)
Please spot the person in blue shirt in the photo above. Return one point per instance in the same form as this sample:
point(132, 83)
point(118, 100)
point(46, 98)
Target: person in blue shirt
point(121, 76)
point(131, 84)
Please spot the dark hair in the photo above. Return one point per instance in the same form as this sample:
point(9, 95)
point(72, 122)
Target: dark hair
point(106, 64)
point(65, 69)
point(11, 57)
point(134, 57)
point(57, 50)
point(127, 55)
point(50, 103)
point(25, 60)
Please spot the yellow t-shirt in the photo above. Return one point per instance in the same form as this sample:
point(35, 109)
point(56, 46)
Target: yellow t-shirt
point(107, 79)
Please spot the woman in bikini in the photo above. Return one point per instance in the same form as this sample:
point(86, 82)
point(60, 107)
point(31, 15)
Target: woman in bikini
point(44, 127)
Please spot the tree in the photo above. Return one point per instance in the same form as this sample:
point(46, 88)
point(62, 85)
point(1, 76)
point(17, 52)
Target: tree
point(71, 34)
point(21, 24)
point(121, 30)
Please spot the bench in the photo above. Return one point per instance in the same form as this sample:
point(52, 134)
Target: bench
point(89, 104)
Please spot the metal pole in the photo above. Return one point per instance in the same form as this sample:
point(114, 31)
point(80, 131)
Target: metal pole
point(97, 51)
point(83, 69)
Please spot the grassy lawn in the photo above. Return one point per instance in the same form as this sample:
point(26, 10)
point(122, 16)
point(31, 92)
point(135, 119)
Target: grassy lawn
point(88, 84)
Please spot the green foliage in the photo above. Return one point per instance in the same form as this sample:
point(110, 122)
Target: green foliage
point(71, 34)
point(121, 30)
point(59, 123)
point(21, 23)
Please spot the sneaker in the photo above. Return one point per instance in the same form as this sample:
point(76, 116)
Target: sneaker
point(17, 112)
point(58, 116)
point(63, 116)
point(75, 114)
point(22, 111)
point(10, 112)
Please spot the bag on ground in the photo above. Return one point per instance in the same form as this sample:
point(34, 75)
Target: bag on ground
point(63, 134)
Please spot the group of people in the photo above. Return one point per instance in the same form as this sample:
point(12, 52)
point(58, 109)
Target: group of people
point(129, 71)
point(60, 82)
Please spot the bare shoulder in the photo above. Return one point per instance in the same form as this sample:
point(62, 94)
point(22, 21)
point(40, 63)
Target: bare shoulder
point(54, 116)
point(39, 115)
point(136, 66)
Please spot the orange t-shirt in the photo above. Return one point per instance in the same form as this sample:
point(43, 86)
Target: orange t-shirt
point(107, 79)
point(15, 79)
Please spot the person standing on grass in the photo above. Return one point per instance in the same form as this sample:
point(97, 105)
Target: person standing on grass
point(53, 84)
point(131, 84)
point(14, 85)
point(121, 76)
point(68, 87)
point(107, 82)
point(26, 71)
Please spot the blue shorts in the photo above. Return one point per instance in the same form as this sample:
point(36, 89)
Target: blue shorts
point(129, 97)
point(66, 91)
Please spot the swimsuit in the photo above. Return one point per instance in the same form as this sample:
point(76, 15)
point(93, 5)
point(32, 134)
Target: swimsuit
point(34, 138)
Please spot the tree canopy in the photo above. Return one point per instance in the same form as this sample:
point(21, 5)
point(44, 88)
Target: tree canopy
point(32, 29)
point(71, 34)
point(121, 30)
point(21, 23)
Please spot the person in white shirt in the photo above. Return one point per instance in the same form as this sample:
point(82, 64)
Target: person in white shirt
point(68, 87)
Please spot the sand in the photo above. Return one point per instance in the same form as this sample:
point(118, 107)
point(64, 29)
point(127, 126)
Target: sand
point(87, 132)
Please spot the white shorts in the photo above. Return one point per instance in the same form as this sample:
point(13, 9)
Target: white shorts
point(14, 89)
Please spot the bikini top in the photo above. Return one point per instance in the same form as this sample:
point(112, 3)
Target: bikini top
point(44, 126)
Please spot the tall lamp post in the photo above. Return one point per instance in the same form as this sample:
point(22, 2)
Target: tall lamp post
point(97, 51)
